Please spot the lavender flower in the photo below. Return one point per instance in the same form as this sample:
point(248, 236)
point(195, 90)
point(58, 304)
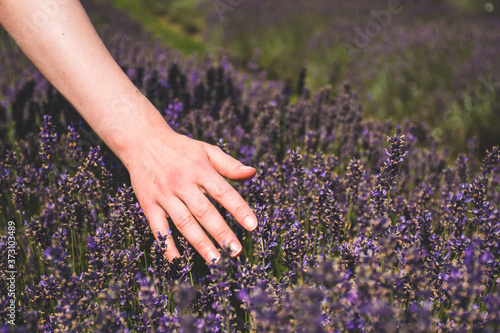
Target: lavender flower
point(350, 238)
point(388, 172)
point(47, 138)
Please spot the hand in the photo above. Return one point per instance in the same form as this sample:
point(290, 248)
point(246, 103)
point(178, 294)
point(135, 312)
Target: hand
point(171, 175)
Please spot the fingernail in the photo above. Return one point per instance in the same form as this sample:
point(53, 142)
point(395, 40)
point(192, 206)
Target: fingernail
point(250, 223)
point(213, 257)
point(246, 168)
point(234, 249)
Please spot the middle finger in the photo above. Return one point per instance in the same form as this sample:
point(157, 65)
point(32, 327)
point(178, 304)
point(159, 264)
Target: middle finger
point(208, 216)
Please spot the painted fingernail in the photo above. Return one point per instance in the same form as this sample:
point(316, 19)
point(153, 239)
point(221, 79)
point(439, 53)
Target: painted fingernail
point(213, 257)
point(250, 223)
point(234, 249)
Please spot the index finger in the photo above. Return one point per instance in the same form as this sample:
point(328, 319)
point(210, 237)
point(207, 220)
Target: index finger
point(227, 196)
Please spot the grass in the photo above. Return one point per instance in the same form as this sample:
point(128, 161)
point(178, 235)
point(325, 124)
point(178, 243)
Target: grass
point(171, 33)
point(189, 14)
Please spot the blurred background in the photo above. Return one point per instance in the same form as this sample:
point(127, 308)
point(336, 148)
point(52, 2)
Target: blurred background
point(435, 62)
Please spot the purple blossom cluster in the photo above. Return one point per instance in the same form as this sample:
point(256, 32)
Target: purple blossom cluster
point(364, 226)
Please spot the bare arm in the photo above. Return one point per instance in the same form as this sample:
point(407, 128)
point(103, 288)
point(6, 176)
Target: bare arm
point(169, 172)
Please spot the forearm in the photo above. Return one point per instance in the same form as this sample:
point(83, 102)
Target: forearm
point(58, 37)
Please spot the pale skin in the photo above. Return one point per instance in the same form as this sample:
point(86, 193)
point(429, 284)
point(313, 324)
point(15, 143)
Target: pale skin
point(170, 173)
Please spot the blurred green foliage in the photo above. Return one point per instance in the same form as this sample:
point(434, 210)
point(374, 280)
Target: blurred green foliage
point(183, 12)
point(152, 15)
point(426, 64)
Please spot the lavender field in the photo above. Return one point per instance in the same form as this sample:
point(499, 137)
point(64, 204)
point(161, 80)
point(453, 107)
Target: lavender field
point(364, 225)
point(432, 61)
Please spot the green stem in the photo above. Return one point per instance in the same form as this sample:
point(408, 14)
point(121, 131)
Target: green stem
point(251, 322)
point(145, 256)
point(52, 190)
point(315, 240)
point(226, 315)
point(306, 223)
point(348, 218)
point(73, 269)
point(262, 245)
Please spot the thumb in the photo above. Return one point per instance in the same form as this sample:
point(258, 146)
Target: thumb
point(228, 166)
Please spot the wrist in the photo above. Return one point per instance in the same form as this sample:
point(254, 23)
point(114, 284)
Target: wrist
point(130, 125)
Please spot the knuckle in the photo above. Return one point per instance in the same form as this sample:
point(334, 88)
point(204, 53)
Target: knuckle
point(156, 231)
point(222, 190)
point(204, 210)
point(183, 222)
point(170, 251)
point(231, 163)
point(222, 235)
point(240, 210)
point(203, 243)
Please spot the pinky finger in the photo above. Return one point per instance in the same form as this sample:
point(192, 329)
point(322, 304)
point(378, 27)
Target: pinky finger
point(158, 223)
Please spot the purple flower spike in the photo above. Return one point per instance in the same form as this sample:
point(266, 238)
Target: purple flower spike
point(48, 138)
